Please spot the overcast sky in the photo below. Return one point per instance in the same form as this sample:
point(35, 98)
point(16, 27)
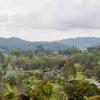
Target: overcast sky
point(47, 20)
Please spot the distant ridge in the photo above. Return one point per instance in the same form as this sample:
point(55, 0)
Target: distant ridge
point(80, 42)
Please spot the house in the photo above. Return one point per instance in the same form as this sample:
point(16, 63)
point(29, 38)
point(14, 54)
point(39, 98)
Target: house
point(83, 50)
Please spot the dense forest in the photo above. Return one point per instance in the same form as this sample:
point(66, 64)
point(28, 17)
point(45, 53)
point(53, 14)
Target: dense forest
point(43, 74)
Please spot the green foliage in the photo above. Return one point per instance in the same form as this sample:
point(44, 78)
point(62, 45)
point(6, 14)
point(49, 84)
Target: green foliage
point(69, 51)
point(25, 71)
point(69, 70)
point(78, 89)
point(47, 89)
point(12, 75)
point(98, 74)
point(60, 80)
point(16, 52)
point(1, 73)
point(11, 93)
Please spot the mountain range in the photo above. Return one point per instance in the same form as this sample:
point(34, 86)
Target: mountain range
point(80, 42)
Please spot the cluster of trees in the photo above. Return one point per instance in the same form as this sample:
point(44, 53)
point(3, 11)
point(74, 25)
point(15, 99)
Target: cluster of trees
point(29, 60)
point(89, 62)
point(48, 75)
point(17, 85)
point(69, 51)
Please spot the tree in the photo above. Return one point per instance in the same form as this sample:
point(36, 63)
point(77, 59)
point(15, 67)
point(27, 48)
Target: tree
point(78, 89)
point(47, 89)
point(40, 50)
point(69, 70)
point(16, 52)
point(11, 93)
point(12, 75)
point(69, 51)
point(1, 73)
point(98, 73)
point(28, 53)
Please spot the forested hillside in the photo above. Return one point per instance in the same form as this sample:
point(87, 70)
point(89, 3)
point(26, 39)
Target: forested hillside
point(82, 42)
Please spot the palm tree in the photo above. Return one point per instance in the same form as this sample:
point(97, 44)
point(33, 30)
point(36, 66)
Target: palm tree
point(11, 93)
point(47, 89)
point(58, 92)
point(32, 90)
point(41, 90)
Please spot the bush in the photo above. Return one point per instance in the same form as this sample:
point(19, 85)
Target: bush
point(76, 90)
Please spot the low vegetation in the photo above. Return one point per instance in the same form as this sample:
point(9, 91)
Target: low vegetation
point(42, 74)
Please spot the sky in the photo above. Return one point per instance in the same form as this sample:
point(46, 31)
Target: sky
point(48, 20)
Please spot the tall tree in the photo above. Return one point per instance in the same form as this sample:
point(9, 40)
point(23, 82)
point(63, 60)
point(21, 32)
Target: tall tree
point(69, 70)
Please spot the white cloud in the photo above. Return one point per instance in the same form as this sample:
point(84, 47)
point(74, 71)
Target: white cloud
point(49, 19)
